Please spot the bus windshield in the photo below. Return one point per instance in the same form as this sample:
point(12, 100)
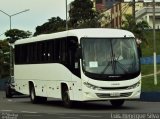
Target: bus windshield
point(111, 56)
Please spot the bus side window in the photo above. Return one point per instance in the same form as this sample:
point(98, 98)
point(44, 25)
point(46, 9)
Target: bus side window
point(63, 51)
point(39, 52)
point(35, 52)
point(56, 50)
point(17, 54)
point(45, 53)
point(50, 51)
point(24, 53)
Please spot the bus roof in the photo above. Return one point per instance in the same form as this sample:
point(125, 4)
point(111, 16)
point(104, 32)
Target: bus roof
point(79, 33)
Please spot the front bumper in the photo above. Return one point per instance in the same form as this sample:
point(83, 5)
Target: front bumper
point(89, 95)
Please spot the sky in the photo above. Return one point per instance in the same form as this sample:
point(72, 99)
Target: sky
point(39, 12)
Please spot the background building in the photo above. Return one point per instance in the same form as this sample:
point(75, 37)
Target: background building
point(115, 15)
point(102, 5)
point(146, 13)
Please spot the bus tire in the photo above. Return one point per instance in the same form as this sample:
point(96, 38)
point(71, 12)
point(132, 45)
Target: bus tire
point(66, 98)
point(33, 97)
point(117, 103)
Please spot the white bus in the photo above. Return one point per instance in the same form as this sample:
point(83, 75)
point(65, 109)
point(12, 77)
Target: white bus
point(79, 65)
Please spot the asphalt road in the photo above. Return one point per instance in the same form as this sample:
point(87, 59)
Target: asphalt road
point(20, 107)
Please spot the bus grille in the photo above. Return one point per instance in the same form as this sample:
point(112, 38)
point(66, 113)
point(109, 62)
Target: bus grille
point(108, 95)
point(114, 88)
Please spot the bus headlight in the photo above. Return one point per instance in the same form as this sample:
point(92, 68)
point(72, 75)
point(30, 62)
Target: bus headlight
point(134, 85)
point(92, 86)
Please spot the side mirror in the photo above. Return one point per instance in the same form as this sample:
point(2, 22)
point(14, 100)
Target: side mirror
point(139, 51)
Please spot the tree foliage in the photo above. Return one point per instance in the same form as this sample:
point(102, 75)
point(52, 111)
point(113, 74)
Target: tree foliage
point(82, 14)
point(4, 50)
point(15, 34)
point(137, 28)
point(4, 58)
point(55, 24)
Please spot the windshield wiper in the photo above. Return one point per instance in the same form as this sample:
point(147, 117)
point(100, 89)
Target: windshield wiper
point(114, 62)
point(109, 64)
point(111, 60)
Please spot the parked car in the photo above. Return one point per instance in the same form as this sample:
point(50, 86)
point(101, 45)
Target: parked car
point(10, 88)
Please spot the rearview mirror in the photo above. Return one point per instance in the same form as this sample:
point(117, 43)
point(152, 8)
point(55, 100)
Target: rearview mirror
point(139, 51)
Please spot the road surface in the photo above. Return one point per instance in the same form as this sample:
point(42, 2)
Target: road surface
point(20, 107)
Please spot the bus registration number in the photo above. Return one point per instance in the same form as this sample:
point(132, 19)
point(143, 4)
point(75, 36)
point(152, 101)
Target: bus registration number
point(114, 94)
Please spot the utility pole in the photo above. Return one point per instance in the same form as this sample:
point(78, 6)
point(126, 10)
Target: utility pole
point(10, 16)
point(154, 45)
point(11, 48)
point(133, 10)
point(66, 17)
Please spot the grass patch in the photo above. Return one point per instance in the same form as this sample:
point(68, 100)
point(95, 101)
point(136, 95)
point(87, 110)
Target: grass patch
point(148, 69)
point(148, 82)
point(147, 49)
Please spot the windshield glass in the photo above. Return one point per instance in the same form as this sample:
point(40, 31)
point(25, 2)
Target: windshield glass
point(111, 56)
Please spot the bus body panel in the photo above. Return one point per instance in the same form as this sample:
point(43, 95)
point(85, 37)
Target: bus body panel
point(47, 80)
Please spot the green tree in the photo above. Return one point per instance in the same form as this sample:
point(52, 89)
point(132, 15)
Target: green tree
point(138, 28)
point(4, 58)
point(55, 24)
point(129, 23)
point(15, 34)
point(141, 26)
point(82, 14)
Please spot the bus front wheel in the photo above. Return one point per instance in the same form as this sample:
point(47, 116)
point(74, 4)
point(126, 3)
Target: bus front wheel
point(117, 103)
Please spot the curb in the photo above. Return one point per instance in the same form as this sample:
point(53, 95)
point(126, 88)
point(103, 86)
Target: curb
point(150, 96)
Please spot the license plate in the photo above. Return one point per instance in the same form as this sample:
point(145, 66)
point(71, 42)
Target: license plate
point(114, 94)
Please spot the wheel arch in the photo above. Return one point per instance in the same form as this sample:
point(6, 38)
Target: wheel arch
point(30, 84)
point(67, 85)
point(64, 86)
